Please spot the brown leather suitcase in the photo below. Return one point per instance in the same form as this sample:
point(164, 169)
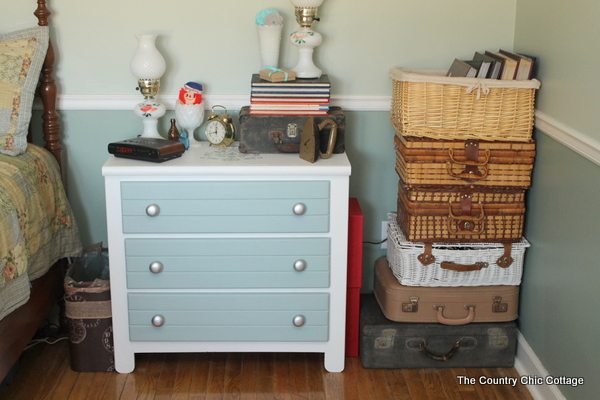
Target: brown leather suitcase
point(445, 305)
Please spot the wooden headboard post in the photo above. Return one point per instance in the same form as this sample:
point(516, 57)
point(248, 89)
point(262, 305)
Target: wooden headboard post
point(47, 91)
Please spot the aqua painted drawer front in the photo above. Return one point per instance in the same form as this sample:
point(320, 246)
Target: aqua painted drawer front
point(225, 207)
point(227, 263)
point(248, 317)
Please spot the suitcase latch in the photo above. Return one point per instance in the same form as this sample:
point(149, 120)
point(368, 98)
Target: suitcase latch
point(292, 130)
point(413, 306)
point(498, 306)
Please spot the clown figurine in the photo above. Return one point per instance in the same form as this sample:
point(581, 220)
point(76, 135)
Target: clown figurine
point(189, 111)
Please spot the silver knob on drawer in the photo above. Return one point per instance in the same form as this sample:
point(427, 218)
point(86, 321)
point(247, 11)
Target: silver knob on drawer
point(300, 265)
point(299, 320)
point(153, 210)
point(299, 208)
point(156, 267)
point(158, 320)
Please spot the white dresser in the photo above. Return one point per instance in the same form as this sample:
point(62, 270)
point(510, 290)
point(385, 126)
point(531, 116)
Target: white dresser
point(219, 251)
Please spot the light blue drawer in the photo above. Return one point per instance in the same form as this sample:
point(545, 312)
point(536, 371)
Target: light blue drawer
point(225, 207)
point(227, 263)
point(248, 317)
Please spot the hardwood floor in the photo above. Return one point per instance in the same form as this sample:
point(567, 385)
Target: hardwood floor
point(45, 373)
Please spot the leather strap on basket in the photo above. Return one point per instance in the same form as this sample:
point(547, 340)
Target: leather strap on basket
point(452, 266)
point(436, 357)
point(506, 260)
point(471, 172)
point(465, 222)
point(427, 257)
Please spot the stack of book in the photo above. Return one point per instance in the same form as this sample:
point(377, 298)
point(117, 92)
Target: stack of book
point(295, 97)
point(495, 65)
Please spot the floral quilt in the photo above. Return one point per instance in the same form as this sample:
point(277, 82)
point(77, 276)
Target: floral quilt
point(37, 226)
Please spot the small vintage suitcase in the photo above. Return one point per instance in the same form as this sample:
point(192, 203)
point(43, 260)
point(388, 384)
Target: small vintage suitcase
point(453, 264)
point(281, 133)
point(461, 214)
point(388, 344)
point(447, 305)
point(425, 162)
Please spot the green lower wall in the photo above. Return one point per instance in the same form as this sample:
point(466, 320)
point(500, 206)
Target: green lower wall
point(559, 293)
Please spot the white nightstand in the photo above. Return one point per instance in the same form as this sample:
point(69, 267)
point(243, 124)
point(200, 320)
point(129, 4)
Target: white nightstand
point(219, 251)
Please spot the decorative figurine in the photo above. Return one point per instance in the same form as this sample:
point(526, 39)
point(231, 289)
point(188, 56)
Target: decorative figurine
point(189, 111)
point(173, 133)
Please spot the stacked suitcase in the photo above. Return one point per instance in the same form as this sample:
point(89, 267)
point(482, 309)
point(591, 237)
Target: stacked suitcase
point(464, 157)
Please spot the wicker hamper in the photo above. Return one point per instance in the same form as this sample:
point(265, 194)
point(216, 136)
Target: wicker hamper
point(455, 215)
point(456, 264)
point(432, 162)
point(426, 103)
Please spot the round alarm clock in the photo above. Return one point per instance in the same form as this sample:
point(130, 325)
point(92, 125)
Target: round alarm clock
point(220, 129)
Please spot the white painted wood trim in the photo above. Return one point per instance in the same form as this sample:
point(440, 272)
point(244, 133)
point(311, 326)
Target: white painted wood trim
point(233, 102)
point(576, 141)
point(528, 364)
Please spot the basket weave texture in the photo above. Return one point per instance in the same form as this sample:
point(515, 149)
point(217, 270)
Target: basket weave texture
point(426, 103)
point(402, 256)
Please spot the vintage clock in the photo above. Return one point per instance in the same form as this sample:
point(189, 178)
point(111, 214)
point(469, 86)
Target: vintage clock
point(220, 129)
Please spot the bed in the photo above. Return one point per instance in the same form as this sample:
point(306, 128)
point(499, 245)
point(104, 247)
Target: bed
point(37, 227)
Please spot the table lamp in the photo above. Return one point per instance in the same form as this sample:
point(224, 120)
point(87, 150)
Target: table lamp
point(305, 38)
point(148, 66)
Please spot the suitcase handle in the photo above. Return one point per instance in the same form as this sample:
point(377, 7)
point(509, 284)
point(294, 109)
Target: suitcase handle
point(452, 266)
point(471, 171)
point(436, 357)
point(468, 220)
point(332, 137)
point(455, 321)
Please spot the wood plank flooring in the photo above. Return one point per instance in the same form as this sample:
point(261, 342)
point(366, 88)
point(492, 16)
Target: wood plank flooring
point(45, 374)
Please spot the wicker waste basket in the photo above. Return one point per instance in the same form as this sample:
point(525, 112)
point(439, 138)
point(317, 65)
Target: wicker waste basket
point(88, 312)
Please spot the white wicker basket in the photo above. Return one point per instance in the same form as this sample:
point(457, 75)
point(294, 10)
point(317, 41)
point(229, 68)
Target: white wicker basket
point(410, 271)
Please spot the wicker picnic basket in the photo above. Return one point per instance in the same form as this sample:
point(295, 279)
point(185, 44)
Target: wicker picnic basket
point(456, 264)
point(460, 214)
point(426, 103)
point(428, 162)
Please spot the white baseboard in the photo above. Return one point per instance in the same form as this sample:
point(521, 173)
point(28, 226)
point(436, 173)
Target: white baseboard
point(528, 364)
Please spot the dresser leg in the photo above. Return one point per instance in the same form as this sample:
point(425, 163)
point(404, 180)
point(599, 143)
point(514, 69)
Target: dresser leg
point(334, 362)
point(124, 362)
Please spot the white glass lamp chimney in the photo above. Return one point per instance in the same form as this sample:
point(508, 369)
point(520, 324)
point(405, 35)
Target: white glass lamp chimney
point(147, 62)
point(307, 3)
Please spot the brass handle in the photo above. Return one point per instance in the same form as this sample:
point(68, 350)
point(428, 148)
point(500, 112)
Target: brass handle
point(458, 321)
point(153, 210)
point(436, 357)
point(332, 137)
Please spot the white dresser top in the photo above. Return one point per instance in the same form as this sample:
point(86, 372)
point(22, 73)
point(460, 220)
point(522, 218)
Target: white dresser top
point(202, 159)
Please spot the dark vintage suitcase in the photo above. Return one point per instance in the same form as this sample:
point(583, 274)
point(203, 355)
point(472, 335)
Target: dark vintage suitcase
point(424, 162)
point(461, 214)
point(388, 344)
point(267, 134)
point(459, 305)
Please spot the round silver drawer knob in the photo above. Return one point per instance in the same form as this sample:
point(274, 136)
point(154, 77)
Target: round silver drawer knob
point(299, 208)
point(153, 210)
point(299, 320)
point(158, 320)
point(300, 265)
point(156, 267)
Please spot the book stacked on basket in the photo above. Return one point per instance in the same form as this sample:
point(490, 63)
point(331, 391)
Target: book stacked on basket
point(292, 97)
point(464, 157)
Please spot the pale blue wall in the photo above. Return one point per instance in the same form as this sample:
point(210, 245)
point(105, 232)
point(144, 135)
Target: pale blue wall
point(562, 274)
